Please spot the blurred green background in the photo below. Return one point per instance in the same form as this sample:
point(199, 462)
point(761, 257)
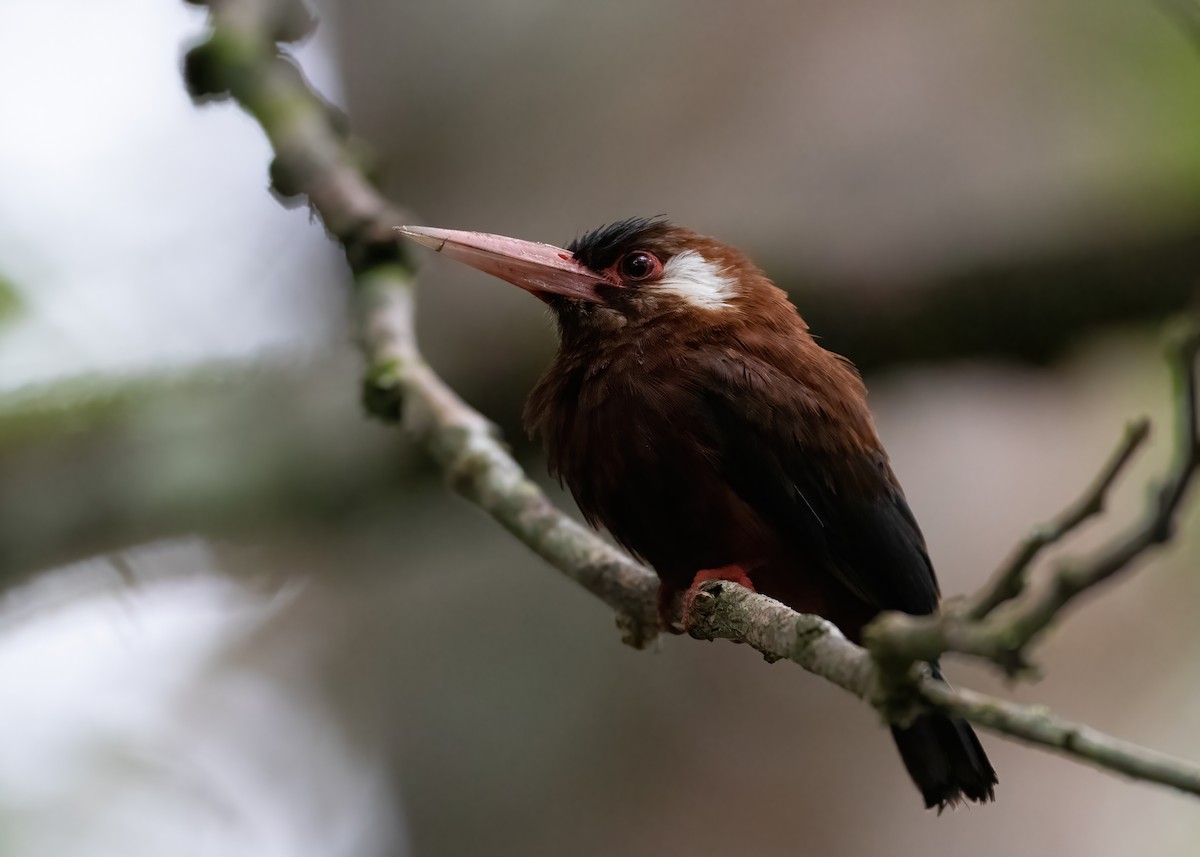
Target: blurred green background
point(239, 618)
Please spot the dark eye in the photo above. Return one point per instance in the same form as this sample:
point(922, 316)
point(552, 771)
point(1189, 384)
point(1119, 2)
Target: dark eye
point(639, 265)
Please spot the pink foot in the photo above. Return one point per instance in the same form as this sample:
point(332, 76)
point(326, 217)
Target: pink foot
point(732, 573)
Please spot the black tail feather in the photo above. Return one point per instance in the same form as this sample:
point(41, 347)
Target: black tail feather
point(945, 759)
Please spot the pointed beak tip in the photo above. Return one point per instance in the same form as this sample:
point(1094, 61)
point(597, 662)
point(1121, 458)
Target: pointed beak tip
point(542, 269)
point(424, 236)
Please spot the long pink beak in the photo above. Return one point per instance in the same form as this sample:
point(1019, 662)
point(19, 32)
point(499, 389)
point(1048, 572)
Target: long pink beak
point(542, 269)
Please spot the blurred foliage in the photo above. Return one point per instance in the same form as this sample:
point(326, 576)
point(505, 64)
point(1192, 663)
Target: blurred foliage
point(91, 467)
point(1031, 311)
point(1157, 84)
point(93, 402)
point(10, 301)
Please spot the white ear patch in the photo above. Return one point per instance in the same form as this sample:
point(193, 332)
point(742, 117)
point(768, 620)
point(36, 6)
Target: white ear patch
point(698, 281)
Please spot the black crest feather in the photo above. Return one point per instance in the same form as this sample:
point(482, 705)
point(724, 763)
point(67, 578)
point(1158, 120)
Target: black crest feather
point(603, 246)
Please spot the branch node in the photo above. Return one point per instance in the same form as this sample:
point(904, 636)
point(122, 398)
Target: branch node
point(204, 73)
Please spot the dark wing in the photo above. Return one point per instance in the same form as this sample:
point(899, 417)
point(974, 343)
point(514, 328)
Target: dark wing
point(790, 455)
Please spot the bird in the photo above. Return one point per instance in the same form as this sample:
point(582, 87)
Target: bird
point(693, 415)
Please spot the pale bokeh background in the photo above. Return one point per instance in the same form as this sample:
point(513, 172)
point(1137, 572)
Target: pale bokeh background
point(238, 618)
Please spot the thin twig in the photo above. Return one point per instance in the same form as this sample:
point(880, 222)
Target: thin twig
point(242, 58)
point(723, 610)
point(1039, 726)
point(1010, 580)
point(479, 467)
point(1005, 634)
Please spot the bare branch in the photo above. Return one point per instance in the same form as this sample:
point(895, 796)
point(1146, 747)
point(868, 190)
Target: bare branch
point(724, 610)
point(242, 58)
point(479, 467)
point(1039, 726)
point(721, 610)
point(1004, 635)
point(313, 158)
point(1010, 579)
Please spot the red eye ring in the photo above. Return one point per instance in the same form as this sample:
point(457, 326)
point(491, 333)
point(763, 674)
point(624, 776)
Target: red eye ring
point(638, 266)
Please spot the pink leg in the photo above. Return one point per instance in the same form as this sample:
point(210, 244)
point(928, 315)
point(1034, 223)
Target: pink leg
point(732, 573)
